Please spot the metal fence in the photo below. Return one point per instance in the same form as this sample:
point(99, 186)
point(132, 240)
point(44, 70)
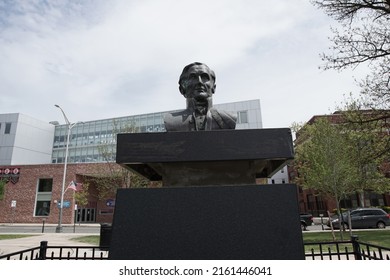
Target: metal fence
point(337, 250)
point(45, 252)
point(345, 250)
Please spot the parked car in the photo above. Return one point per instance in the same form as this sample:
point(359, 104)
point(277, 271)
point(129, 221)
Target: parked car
point(306, 220)
point(363, 218)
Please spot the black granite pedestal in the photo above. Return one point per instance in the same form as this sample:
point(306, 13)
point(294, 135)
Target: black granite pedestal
point(200, 158)
point(210, 206)
point(207, 223)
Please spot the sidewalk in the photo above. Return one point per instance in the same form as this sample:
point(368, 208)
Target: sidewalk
point(6, 228)
point(54, 239)
point(48, 225)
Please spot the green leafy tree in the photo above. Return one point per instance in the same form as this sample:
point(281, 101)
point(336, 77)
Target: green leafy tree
point(370, 140)
point(341, 157)
point(363, 38)
point(81, 196)
point(323, 161)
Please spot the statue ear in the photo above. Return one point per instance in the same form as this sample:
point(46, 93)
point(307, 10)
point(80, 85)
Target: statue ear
point(213, 89)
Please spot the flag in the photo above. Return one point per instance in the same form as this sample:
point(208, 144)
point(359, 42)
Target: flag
point(72, 186)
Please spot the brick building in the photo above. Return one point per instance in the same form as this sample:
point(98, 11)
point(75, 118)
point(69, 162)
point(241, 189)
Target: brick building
point(32, 193)
point(309, 201)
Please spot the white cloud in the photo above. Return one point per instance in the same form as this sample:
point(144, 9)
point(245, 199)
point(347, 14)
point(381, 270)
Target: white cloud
point(101, 59)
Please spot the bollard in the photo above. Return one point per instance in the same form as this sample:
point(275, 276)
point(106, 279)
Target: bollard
point(43, 225)
point(322, 221)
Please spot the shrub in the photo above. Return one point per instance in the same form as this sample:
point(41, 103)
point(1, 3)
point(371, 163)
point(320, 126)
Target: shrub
point(386, 208)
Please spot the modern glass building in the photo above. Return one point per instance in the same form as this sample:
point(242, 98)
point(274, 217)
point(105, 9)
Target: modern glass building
point(87, 140)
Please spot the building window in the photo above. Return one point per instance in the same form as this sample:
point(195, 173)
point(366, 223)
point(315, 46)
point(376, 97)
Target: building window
point(43, 200)
point(242, 117)
point(7, 128)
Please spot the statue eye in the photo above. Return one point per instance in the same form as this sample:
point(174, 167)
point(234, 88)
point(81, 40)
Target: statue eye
point(192, 77)
point(205, 77)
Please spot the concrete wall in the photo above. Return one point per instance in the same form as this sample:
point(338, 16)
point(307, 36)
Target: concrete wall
point(30, 141)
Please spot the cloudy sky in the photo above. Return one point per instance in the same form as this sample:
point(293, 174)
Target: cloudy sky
point(100, 59)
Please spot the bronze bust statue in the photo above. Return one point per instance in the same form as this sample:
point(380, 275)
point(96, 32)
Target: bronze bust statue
point(197, 85)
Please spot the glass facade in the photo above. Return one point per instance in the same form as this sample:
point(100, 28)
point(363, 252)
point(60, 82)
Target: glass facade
point(95, 141)
point(88, 140)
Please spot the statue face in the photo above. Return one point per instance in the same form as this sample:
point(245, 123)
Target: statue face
point(198, 83)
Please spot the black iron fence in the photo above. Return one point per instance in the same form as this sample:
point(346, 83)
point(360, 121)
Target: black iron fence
point(46, 252)
point(337, 250)
point(345, 250)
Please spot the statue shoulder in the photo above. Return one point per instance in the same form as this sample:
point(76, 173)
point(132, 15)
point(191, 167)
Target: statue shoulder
point(231, 115)
point(176, 115)
point(226, 120)
point(177, 120)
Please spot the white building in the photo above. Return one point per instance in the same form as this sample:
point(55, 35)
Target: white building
point(25, 140)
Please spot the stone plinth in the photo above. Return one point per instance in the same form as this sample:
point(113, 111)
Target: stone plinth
point(210, 207)
point(220, 157)
point(253, 222)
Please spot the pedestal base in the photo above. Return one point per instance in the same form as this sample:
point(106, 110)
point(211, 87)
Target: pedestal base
point(257, 222)
point(201, 158)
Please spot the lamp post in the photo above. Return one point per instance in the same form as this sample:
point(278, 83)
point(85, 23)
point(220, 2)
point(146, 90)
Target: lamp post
point(70, 126)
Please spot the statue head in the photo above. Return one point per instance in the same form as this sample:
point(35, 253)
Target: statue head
point(197, 82)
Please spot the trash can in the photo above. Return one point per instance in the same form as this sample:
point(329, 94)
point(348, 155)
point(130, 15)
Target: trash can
point(105, 235)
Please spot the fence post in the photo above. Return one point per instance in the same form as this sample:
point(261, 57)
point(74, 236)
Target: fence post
point(42, 250)
point(356, 247)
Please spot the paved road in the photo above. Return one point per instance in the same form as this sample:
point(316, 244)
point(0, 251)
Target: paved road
point(315, 228)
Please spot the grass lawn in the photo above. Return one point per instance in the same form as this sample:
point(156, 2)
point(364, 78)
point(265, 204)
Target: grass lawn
point(376, 237)
point(90, 239)
point(14, 236)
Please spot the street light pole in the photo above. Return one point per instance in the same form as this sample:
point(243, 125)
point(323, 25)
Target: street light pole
point(70, 126)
